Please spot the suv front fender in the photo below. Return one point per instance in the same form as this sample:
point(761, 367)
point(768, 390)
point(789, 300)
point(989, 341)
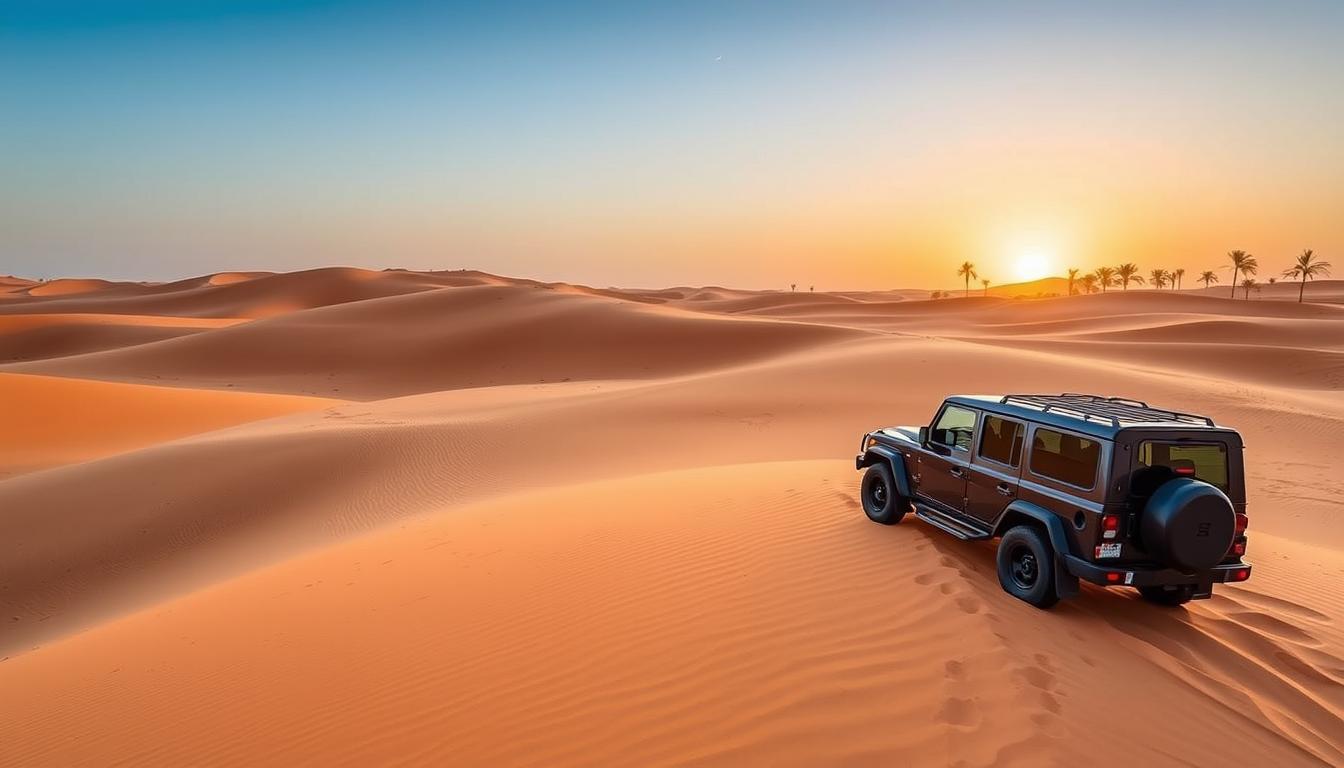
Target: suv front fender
point(893, 457)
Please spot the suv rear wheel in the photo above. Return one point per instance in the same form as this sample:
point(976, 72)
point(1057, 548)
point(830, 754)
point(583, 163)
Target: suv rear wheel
point(880, 501)
point(1168, 595)
point(1027, 566)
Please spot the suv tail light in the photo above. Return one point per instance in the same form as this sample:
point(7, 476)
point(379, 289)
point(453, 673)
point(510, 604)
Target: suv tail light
point(1110, 526)
point(1239, 538)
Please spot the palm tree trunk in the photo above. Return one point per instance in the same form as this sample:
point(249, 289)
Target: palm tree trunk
point(968, 286)
point(1301, 289)
point(1235, 270)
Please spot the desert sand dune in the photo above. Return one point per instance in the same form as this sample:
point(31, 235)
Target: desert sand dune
point(704, 629)
point(10, 285)
point(68, 286)
point(1318, 291)
point(53, 421)
point(44, 336)
point(311, 477)
point(541, 535)
point(436, 340)
point(260, 296)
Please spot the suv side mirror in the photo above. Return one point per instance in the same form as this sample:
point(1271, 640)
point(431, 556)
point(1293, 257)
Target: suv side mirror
point(923, 436)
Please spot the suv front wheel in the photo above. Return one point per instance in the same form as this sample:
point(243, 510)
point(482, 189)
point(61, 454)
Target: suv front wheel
point(1027, 566)
point(880, 501)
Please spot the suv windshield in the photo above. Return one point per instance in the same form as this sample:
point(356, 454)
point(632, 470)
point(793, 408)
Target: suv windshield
point(954, 428)
point(1202, 461)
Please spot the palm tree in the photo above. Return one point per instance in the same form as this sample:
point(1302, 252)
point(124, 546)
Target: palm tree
point(793, 287)
point(1159, 278)
point(1242, 262)
point(1207, 277)
point(1073, 275)
point(985, 281)
point(1128, 272)
point(1089, 283)
point(967, 270)
point(1307, 268)
point(1105, 277)
point(1247, 284)
point(1177, 274)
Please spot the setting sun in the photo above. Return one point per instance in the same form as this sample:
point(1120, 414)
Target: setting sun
point(1032, 265)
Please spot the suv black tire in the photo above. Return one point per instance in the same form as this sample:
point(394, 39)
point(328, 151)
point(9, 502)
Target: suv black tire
point(1026, 565)
point(1173, 596)
point(878, 493)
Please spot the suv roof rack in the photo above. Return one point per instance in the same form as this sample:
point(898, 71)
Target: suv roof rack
point(1115, 411)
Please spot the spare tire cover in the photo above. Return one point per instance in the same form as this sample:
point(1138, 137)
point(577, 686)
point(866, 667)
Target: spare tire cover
point(1188, 524)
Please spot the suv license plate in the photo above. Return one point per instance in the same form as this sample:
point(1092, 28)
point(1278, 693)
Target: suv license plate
point(1108, 550)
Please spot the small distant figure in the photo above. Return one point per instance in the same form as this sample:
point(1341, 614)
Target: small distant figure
point(811, 288)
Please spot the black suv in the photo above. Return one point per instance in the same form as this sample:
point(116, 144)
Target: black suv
point(1076, 486)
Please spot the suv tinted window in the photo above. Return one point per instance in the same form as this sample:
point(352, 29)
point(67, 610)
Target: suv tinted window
point(1064, 457)
point(954, 428)
point(1207, 462)
point(1001, 440)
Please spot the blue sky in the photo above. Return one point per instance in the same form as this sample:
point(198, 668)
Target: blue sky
point(846, 145)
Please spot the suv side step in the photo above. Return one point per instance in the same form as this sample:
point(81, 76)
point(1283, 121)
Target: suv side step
point(962, 529)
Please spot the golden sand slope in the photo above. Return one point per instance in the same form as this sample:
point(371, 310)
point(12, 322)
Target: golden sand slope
point(738, 615)
point(43, 336)
point(471, 336)
point(50, 421)
point(557, 550)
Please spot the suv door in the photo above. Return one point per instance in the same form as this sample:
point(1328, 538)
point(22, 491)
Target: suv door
point(943, 466)
point(995, 468)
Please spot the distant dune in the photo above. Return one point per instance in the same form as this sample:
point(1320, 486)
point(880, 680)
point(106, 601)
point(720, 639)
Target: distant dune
point(354, 517)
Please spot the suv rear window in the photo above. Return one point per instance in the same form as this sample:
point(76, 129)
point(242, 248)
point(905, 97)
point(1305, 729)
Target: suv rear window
point(1202, 461)
point(1064, 457)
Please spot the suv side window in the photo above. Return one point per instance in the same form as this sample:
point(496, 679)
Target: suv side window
point(955, 428)
point(1067, 458)
point(1001, 440)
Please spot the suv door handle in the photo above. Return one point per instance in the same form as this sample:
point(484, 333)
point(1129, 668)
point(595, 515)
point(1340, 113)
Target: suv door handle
point(957, 472)
point(1003, 489)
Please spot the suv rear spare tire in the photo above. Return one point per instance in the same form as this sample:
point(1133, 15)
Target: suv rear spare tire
point(1188, 524)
